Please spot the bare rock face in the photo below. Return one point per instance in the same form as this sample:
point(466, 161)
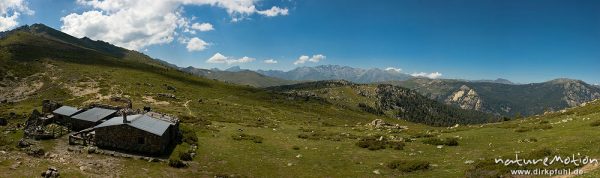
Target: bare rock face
point(576, 93)
point(465, 98)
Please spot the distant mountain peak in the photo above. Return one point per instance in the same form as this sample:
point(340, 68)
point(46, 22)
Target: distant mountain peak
point(337, 72)
point(498, 80)
point(565, 80)
point(234, 69)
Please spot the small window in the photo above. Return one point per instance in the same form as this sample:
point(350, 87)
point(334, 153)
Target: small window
point(141, 140)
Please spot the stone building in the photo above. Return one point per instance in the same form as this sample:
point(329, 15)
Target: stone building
point(63, 114)
point(141, 133)
point(90, 118)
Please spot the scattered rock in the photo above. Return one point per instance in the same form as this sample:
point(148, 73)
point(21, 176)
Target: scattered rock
point(23, 143)
point(51, 173)
point(15, 166)
point(83, 168)
point(469, 162)
point(376, 171)
point(35, 151)
point(91, 149)
point(299, 156)
point(440, 146)
point(169, 87)
point(167, 95)
point(380, 124)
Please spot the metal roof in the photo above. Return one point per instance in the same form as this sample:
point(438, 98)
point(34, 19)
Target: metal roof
point(94, 114)
point(66, 110)
point(142, 122)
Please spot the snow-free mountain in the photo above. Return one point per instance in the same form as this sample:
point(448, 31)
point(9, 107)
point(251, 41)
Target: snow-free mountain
point(336, 72)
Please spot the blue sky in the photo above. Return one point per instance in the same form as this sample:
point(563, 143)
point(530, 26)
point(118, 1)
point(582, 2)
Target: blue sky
point(520, 40)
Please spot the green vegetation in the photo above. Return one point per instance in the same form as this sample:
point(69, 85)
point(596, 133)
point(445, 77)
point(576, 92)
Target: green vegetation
point(379, 142)
point(441, 141)
point(596, 123)
point(408, 165)
point(392, 101)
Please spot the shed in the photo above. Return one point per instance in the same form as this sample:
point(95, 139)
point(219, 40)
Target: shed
point(63, 114)
point(91, 118)
point(139, 133)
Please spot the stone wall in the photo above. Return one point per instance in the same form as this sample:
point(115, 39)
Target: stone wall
point(125, 137)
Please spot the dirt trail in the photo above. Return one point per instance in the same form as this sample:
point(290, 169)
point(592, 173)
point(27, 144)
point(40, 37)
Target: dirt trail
point(187, 107)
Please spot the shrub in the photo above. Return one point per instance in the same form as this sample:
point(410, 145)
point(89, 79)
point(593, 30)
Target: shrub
point(439, 141)
point(320, 135)
point(523, 129)
point(176, 163)
point(371, 143)
point(595, 123)
point(408, 165)
point(185, 156)
point(543, 127)
point(378, 143)
point(422, 135)
point(188, 135)
point(296, 147)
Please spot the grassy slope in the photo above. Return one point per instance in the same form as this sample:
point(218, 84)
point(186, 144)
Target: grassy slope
point(231, 107)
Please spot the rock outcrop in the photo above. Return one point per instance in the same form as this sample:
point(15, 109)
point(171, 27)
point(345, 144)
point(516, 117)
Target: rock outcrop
point(465, 98)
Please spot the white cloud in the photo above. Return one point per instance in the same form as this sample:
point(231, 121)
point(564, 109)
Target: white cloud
point(270, 61)
point(315, 58)
point(10, 10)
point(135, 24)
point(433, 75)
point(301, 60)
point(203, 27)
point(196, 44)
point(274, 11)
point(218, 58)
point(393, 69)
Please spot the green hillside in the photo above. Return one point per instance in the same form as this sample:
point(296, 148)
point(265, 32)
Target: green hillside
point(507, 99)
point(387, 100)
point(244, 77)
point(247, 132)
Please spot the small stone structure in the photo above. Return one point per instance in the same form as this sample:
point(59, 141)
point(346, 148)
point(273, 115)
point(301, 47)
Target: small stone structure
point(142, 133)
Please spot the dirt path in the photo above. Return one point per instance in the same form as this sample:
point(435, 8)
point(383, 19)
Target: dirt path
point(187, 107)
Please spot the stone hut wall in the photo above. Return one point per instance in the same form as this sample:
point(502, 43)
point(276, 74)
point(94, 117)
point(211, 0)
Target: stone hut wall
point(125, 137)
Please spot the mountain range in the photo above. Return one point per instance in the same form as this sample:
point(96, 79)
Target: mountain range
point(388, 100)
point(336, 72)
point(238, 76)
point(505, 99)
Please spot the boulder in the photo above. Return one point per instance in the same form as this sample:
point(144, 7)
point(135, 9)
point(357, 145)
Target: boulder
point(51, 173)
